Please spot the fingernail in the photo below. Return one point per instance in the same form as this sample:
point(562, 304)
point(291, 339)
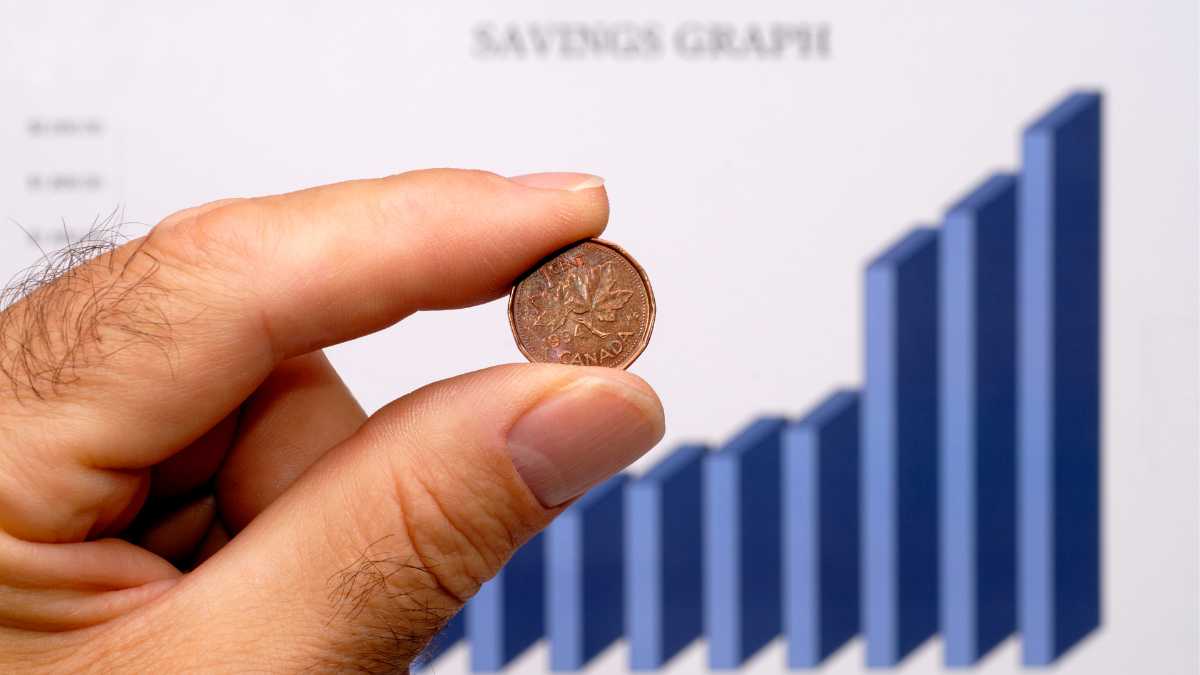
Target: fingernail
point(583, 434)
point(571, 182)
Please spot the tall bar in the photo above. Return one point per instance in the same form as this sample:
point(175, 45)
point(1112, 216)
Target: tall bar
point(664, 611)
point(451, 633)
point(1058, 378)
point(978, 421)
point(820, 530)
point(899, 444)
point(585, 576)
point(742, 550)
point(506, 616)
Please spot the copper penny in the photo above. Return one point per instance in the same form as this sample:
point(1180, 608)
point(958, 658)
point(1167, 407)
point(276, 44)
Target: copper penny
point(590, 304)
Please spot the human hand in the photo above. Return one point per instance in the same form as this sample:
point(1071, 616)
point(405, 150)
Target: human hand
point(185, 482)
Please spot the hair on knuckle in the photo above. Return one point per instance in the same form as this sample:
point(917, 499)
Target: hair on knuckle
point(391, 605)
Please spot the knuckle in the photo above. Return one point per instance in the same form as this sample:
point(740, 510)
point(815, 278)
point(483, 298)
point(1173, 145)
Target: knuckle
point(463, 520)
point(458, 551)
point(429, 194)
point(224, 239)
point(455, 179)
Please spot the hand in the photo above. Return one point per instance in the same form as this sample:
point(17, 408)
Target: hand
point(185, 482)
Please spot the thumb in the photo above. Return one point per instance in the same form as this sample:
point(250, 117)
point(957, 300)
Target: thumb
point(375, 547)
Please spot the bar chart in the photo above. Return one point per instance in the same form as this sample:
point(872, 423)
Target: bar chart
point(955, 492)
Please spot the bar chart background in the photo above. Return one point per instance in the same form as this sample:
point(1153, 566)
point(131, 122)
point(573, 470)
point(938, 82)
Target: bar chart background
point(791, 174)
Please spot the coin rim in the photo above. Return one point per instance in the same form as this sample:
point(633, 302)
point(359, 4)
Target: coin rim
point(651, 306)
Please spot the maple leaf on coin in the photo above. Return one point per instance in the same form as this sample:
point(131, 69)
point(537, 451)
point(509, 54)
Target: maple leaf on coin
point(577, 290)
point(552, 311)
point(582, 292)
point(605, 300)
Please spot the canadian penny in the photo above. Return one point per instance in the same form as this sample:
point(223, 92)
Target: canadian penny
point(589, 304)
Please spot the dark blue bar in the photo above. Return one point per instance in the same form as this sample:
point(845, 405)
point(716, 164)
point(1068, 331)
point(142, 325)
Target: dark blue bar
point(820, 530)
point(742, 550)
point(449, 636)
point(1058, 379)
point(585, 576)
point(899, 437)
point(978, 421)
point(663, 559)
point(506, 616)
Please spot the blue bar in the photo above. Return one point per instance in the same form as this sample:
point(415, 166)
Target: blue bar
point(585, 576)
point(1058, 409)
point(978, 421)
point(742, 550)
point(820, 530)
point(899, 437)
point(506, 616)
point(449, 636)
point(664, 611)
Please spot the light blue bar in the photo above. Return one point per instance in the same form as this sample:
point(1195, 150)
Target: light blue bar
point(821, 539)
point(899, 444)
point(978, 421)
point(664, 608)
point(585, 576)
point(507, 615)
point(743, 552)
point(1058, 404)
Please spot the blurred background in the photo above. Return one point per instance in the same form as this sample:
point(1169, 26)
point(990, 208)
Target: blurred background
point(757, 154)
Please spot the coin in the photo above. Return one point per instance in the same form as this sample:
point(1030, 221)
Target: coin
point(590, 304)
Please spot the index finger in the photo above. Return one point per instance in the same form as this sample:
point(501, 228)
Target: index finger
point(136, 353)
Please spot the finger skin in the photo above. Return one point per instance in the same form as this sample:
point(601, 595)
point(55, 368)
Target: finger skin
point(194, 465)
point(301, 411)
point(166, 336)
point(389, 533)
point(176, 536)
point(58, 587)
point(190, 213)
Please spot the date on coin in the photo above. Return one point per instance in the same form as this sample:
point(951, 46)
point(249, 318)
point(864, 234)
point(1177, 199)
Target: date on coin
point(590, 304)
